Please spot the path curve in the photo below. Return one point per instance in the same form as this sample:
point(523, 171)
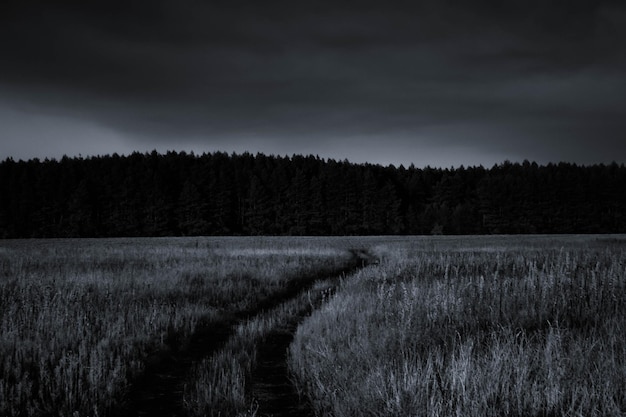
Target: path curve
point(271, 384)
point(159, 391)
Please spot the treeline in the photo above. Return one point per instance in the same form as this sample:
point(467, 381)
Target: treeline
point(222, 194)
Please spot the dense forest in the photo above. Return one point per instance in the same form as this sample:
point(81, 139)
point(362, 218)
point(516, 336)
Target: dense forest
point(184, 194)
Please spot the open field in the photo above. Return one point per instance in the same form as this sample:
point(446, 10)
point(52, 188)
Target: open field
point(380, 326)
point(80, 320)
point(518, 326)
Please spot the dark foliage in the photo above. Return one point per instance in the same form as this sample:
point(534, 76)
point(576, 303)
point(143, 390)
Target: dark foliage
point(221, 194)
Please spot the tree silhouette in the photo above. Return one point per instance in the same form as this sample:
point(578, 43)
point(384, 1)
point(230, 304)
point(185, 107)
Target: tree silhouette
point(221, 194)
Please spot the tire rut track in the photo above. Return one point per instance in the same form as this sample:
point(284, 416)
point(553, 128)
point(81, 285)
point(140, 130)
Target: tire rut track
point(159, 391)
point(271, 384)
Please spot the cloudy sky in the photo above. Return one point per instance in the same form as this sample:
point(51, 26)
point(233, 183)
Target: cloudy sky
point(434, 82)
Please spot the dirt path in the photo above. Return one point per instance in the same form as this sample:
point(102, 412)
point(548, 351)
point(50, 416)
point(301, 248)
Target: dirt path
point(159, 391)
point(271, 384)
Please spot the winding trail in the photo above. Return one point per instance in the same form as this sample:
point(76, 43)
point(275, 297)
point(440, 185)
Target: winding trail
point(271, 383)
point(159, 391)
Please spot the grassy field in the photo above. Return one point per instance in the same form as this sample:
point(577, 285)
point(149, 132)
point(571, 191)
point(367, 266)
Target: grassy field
point(80, 318)
point(473, 326)
point(218, 385)
point(437, 326)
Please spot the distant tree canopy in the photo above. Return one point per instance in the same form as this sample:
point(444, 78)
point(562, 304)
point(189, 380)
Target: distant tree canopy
point(244, 194)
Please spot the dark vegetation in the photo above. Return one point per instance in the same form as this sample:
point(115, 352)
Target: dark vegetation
point(112, 327)
point(160, 390)
point(221, 194)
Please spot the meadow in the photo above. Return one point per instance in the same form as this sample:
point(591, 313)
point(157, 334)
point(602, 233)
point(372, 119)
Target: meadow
point(80, 319)
point(473, 326)
point(367, 326)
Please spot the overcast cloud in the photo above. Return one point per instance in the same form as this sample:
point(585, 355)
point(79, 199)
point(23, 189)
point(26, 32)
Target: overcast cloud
point(435, 83)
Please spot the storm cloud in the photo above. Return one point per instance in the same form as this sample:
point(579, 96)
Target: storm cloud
point(432, 82)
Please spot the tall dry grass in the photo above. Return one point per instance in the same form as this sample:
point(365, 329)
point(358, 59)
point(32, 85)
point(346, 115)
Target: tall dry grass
point(220, 384)
point(78, 318)
point(481, 329)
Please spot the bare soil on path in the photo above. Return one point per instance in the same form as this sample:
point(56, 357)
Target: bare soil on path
point(159, 391)
point(271, 385)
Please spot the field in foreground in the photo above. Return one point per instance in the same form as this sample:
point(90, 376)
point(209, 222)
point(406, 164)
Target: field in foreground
point(82, 320)
point(472, 326)
point(517, 326)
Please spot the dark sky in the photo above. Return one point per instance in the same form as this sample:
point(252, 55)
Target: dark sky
point(439, 83)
